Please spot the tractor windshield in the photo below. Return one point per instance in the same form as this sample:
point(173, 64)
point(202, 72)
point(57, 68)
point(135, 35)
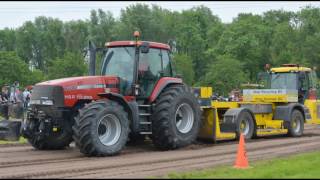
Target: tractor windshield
point(284, 80)
point(119, 61)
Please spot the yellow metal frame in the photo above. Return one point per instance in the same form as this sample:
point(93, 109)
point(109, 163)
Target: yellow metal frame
point(290, 69)
point(312, 106)
point(267, 126)
point(210, 128)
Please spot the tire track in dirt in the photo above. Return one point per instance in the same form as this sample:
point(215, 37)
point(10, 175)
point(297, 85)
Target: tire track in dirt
point(158, 169)
point(137, 159)
point(142, 161)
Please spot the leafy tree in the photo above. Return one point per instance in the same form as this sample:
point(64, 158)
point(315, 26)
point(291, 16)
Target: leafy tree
point(13, 69)
point(40, 41)
point(247, 39)
point(7, 39)
point(76, 35)
point(70, 65)
point(183, 65)
point(101, 26)
point(224, 75)
point(26, 43)
point(202, 40)
point(35, 76)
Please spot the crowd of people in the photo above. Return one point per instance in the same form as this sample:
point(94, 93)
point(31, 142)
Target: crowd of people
point(13, 95)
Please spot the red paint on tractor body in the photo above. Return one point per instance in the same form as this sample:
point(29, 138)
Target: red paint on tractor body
point(85, 87)
point(162, 83)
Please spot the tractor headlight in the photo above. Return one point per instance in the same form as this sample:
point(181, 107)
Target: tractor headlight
point(35, 102)
point(47, 102)
point(42, 102)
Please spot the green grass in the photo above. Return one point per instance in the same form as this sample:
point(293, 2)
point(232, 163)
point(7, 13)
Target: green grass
point(21, 141)
point(299, 166)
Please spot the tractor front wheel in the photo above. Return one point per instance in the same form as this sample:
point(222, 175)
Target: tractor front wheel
point(55, 141)
point(101, 128)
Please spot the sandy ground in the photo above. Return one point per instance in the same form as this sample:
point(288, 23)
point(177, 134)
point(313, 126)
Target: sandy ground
point(142, 161)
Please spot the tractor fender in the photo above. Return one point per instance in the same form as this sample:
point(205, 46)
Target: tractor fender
point(161, 84)
point(231, 117)
point(130, 107)
point(284, 112)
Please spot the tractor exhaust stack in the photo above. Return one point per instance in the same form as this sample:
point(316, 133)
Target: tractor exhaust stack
point(92, 58)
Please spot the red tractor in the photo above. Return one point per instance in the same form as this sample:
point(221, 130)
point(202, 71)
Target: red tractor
point(138, 94)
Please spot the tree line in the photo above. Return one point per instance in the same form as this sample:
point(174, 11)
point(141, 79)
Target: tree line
point(208, 51)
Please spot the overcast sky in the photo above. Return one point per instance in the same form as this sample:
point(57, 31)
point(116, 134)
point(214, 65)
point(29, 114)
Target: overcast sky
point(14, 14)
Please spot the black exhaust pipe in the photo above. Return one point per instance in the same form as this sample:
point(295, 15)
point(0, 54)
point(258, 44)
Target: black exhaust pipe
point(92, 58)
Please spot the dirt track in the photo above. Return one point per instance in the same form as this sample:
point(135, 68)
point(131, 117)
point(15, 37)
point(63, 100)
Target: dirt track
point(22, 161)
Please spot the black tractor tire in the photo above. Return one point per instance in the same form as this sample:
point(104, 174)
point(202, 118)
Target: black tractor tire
point(296, 125)
point(166, 134)
point(136, 138)
point(87, 127)
point(56, 141)
point(246, 119)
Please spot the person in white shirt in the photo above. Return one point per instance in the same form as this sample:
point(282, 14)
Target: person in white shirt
point(26, 98)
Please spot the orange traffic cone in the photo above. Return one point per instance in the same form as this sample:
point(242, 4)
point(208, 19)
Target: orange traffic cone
point(242, 160)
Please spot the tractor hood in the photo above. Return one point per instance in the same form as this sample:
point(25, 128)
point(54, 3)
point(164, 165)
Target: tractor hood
point(82, 80)
point(69, 91)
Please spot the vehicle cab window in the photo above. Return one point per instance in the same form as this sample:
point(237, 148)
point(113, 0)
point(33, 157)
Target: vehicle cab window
point(149, 70)
point(167, 70)
point(303, 85)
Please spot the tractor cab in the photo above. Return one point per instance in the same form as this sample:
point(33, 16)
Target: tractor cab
point(293, 77)
point(138, 64)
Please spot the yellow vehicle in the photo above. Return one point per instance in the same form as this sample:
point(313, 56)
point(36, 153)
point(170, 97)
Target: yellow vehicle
point(287, 102)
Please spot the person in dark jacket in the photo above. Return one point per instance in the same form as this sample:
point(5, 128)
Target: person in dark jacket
point(4, 99)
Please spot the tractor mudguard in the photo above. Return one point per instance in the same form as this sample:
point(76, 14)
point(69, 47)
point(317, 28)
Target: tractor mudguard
point(284, 112)
point(231, 117)
point(161, 84)
point(130, 107)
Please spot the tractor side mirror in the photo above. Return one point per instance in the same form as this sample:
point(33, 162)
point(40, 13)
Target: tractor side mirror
point(144, 48)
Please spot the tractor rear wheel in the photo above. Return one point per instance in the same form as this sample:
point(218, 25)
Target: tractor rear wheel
point(176, 118)
point(296, 124)
point(101, 128)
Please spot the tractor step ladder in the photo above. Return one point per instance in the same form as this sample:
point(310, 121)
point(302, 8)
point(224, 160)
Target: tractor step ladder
point(145, 121)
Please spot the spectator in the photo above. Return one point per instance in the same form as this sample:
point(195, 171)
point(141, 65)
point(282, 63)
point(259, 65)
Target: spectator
point(26, 98)
point(4, 102)
point(15, 95)
point(4, 94)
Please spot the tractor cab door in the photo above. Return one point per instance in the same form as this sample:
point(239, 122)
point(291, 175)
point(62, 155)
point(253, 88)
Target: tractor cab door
point(314, 84)
point(152, 66)
point(303, 86)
